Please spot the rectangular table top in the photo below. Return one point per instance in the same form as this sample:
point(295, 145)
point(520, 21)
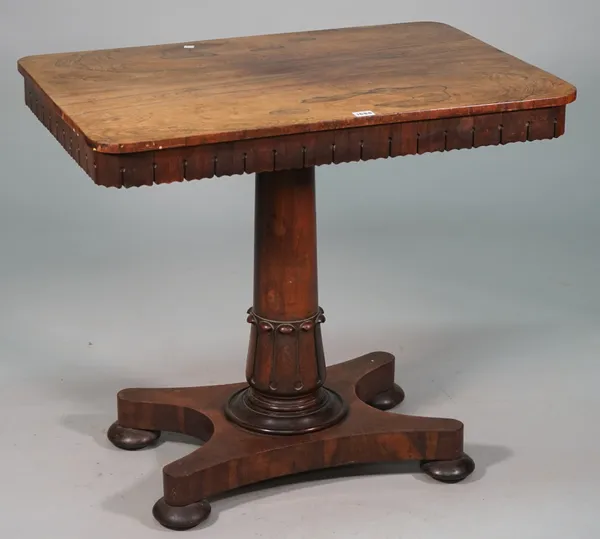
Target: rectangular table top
point(187, 94)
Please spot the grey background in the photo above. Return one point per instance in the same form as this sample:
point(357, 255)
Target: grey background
point(478, 269)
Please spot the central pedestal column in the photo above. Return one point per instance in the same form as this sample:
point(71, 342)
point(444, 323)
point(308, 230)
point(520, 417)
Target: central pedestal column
point(285, 367)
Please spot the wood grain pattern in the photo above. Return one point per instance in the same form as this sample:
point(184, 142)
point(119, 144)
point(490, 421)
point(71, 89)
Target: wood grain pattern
point(233, 457)
point(285, 366)
point(279, 106)
point(294, 151)
point(285, 245)
point(157, 97)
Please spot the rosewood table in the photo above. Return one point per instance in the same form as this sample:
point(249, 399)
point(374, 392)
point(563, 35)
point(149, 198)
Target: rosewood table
point(279, 106)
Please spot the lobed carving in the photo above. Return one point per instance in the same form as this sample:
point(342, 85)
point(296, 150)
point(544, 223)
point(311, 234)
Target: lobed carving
point(293, 151)
point(285, 358)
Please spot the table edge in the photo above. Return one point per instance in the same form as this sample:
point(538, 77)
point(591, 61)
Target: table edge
point(294, 151)
point(101, 146)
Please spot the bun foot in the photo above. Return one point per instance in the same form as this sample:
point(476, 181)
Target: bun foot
point(131, 439)
point(449, 471)
point(180, 518)
point(388, 399)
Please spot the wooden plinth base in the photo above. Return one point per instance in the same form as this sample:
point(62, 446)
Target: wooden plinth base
point(233, 456)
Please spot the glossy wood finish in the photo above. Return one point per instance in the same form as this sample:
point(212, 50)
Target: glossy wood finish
point(295, 151)
point(285, 245)
point(449, 471)
point(131, 439)
point(285, 367)
point(279, 106)
point(388, 399)
point(145, 98)
point(233, 457)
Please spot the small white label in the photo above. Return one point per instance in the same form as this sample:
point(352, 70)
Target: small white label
point(364, 113)
point(189, 46)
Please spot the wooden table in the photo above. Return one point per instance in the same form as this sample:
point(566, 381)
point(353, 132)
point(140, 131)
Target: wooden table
point(279, 106)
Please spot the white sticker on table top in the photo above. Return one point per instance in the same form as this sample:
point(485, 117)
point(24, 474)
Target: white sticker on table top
point(189, 46)
point(361, 113)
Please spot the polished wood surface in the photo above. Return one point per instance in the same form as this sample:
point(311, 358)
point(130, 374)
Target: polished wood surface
point(285, 366)
point(280, 106)
point(293, 414)
point(295, 151)
point(157, 97)
point(285, 245)
point(233, 457)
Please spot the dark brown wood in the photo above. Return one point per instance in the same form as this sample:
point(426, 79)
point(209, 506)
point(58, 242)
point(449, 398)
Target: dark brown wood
point(285, 367)
point(279, 106)
point(233, 457)
point(181, 517)
point(285, 245)
point(388, 399)
point(304, 150)
point(131, 439)
point(449, 471)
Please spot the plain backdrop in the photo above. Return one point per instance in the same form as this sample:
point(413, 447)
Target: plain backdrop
point(478, 269)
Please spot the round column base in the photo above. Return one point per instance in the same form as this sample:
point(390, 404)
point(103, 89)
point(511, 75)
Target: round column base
point(260, 413)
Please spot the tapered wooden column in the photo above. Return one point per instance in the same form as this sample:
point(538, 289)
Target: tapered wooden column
point(285, 367)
